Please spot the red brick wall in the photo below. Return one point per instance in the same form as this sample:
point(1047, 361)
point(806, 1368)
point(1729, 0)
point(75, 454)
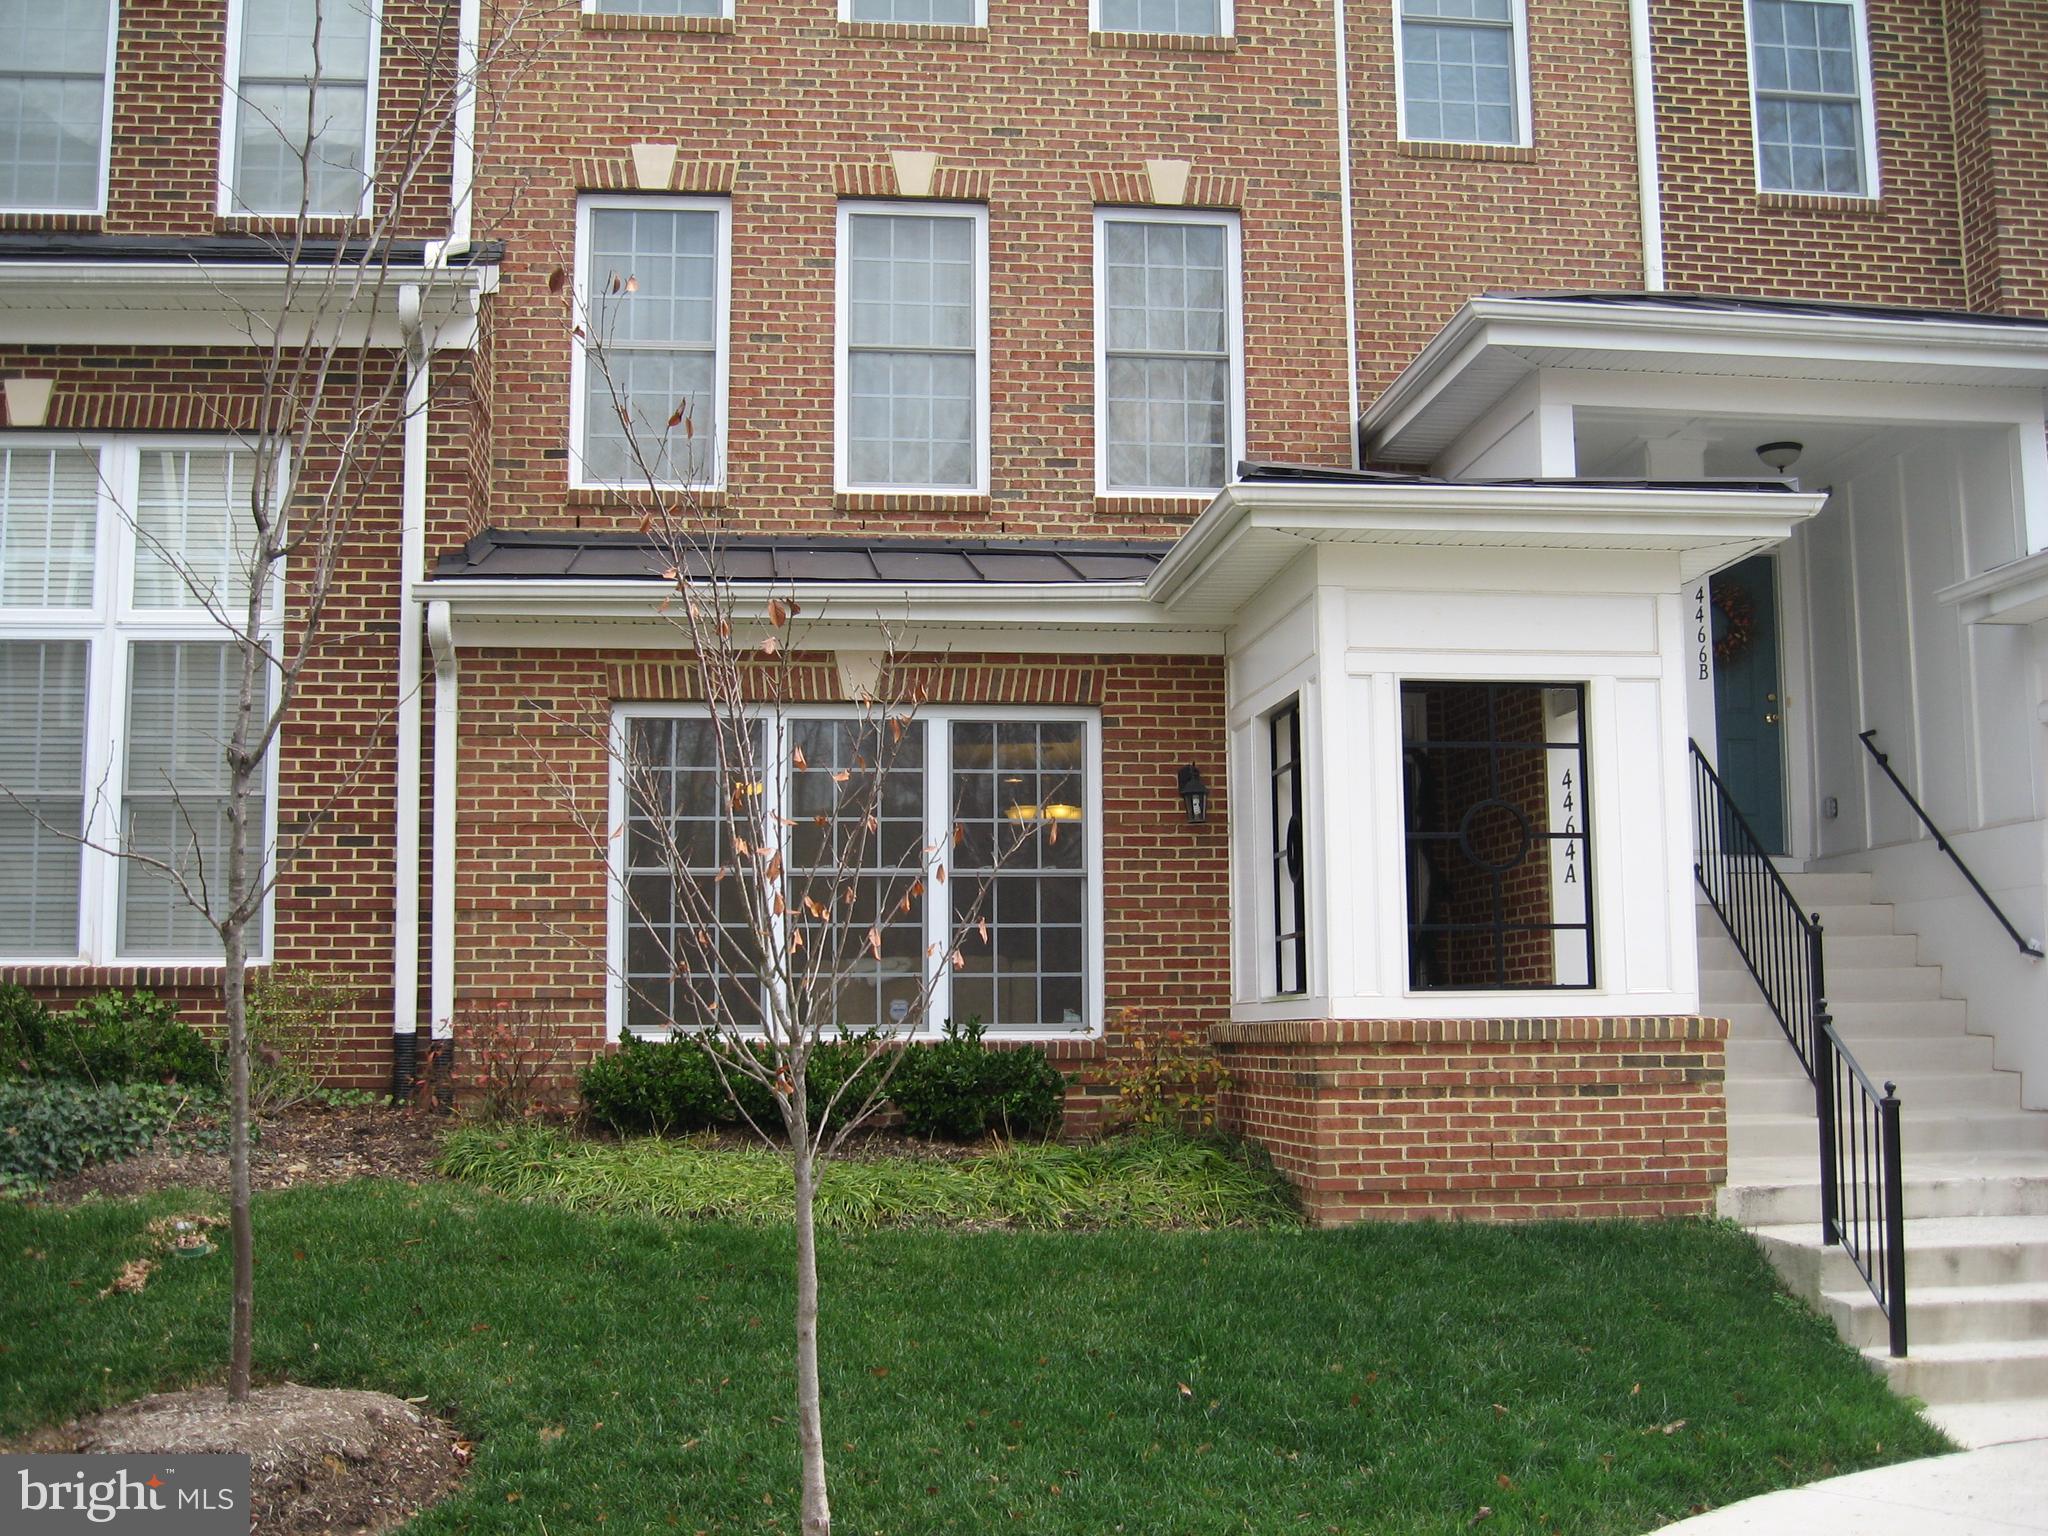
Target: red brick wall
point(531, 896)
point(2013, 112)
point(1721, 235)
point(1491, 1119)
point(164, 169)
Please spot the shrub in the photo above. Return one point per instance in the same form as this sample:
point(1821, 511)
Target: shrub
point(1165, 1078)
point(292, 1035)
point(959, 1089)
point(24, 1030)
point(120, 1037)
point(673, 1087)
point(507, 1062)
point(53, 1127)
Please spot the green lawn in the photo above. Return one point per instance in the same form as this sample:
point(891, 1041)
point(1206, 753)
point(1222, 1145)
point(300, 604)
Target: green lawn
point(623, 1374)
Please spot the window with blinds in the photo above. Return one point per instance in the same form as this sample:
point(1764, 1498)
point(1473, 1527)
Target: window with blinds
point(119, 563)
point(57, 57)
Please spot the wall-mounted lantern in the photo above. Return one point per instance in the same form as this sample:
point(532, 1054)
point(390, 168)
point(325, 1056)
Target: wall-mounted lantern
point(1194, 794)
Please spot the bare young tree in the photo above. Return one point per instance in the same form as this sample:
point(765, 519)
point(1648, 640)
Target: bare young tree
point(779, 864)
point(265, 548)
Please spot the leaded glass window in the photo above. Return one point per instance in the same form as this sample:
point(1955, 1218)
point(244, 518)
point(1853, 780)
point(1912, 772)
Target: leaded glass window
point(1287, 839)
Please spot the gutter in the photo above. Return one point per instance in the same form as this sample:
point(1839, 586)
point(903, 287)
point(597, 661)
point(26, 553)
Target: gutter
point(412, 560)
point(1344, 203)
point(462, 149)
point(447, 716)
point(1649, 180)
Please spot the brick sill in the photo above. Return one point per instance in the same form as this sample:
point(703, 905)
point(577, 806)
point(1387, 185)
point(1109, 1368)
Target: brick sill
point(1811, 202)
point(315, 226)
point(1497, 1031)
point(51, 219)
point(1434, 149)
point(1169, 42)
point(639, 498)
point(620, 21)
point(911, 501)
point(912, 32)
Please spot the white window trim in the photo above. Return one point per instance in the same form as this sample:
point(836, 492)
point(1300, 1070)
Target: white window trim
point(1233, 228)
point(1866, 91)
point(111, 628)
point(841, 400)
point(593, 8)
point(979, 17)
point(721, 329)
point(1226, 19)
point(1525, 117)
point(938, 721)
point(225, 202)
point(99, 206)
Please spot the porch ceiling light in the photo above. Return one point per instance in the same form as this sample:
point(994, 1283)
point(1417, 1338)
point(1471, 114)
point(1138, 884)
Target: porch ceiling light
point(1194, 794)
point(1780, 456)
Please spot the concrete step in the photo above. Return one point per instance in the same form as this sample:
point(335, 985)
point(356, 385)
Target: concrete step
point(1900, 1059)
point(1976, 1425)
point(1855, 1019)
point(1820, 890)
point(1967, 1373)
point(1792, 1135)
point(1835, 918)
point(1887, 983)
point(1767, 1192)
point(1943, 1314)
point(1789, 1093)
point(1718, 951)
point(1941, 1252)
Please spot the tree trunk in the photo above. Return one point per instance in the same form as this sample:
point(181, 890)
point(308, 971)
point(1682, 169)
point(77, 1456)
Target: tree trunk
point(234, 998)
point(810, 1427)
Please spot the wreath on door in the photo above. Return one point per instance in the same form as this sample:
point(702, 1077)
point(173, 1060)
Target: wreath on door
point(1735, 623)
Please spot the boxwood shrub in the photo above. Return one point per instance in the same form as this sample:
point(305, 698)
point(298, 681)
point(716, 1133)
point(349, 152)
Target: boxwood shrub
point(112, 1037)
point(958, 1089)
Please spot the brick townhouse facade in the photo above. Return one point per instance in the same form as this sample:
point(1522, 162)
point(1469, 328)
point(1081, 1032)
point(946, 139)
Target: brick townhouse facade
point(1352, 399)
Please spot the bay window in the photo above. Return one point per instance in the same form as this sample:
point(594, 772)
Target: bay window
point(1005, 800)
point(118, 686)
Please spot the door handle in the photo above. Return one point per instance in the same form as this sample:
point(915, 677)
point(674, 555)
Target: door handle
point(1771, 719)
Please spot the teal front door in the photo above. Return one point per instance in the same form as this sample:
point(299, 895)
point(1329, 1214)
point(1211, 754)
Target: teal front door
point(1749, 711)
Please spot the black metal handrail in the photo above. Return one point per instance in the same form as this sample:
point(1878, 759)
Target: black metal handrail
point(1781, 945)
point(1942, 842)
point(1862, 1181)
point(1862, 1197)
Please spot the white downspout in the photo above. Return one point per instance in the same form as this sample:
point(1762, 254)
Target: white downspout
point(412, 545)
point(1350, 231)
point(447, 714)
point(462, 145)
point(1648, 182)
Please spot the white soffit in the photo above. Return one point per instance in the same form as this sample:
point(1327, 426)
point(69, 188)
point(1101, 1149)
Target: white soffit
point(1492, 344)
point(1252, 531)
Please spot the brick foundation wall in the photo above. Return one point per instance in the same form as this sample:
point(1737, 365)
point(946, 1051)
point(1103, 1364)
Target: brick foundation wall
point(1488, 1119)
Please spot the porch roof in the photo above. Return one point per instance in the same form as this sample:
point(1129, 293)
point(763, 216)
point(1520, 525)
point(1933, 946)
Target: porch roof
point(1498, 340)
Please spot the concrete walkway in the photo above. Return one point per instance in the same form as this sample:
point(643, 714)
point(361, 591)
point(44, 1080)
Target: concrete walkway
point(1993, 1492)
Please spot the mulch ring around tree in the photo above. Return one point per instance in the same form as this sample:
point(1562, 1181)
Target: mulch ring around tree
point(308, 1145)
point(321, 1460)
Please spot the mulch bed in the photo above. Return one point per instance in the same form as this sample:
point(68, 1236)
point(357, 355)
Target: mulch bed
point(308, 1145)
point(321, 1459)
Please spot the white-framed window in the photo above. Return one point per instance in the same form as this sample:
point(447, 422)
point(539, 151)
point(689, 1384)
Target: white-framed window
point(56, 104)
point(912, 367)
point(1464, 71)
point(917, 13)
point(1498, 871)
point(119, 687)
point(654, 295)
point(1169, 350)
point(1187, 18)
point(1285, 848)
point(1008, 799)
point(1809, 70)
point(709, 8)
point(299, 113)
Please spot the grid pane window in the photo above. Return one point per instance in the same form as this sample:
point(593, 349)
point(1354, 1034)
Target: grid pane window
point(913, 336)
point(1196, 17)
point(182, 698)
point(1809, 97)
point(49, 522)
point(687, 951)
point(1020, 793)
point(660, 7)
point(652, 283)
point(302, 104)
point(917, 13)
point(1290, 888)
point(1498, 871)
point(1167, 350)
point(53, 101)
point(1458, 71)
point(43, 699)
point(839, 771)
point(195, 536)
